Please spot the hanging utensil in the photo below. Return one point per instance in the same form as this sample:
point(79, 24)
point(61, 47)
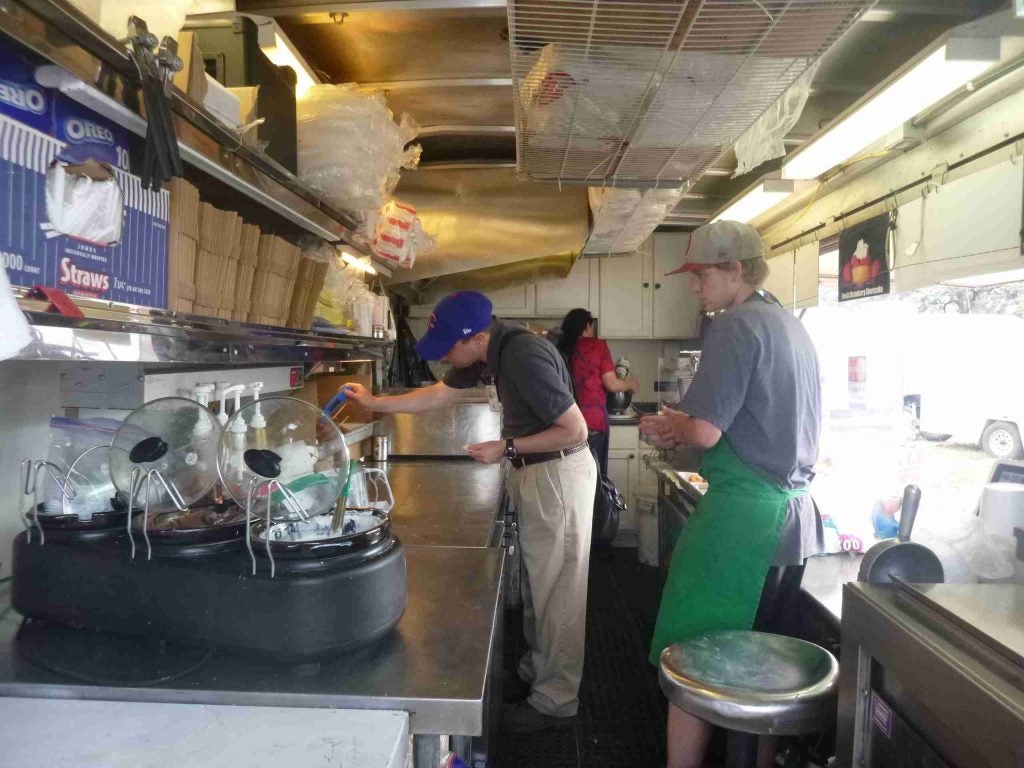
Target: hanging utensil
point(156, 68)
point(900, 559)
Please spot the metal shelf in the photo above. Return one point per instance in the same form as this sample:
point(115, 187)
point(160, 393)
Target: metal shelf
point(116, 333)
point(63, 35)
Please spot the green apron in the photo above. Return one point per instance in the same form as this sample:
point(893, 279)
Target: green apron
point(724, 551)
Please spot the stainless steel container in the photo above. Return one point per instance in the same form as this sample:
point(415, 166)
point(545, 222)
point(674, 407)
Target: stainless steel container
point(381, 447)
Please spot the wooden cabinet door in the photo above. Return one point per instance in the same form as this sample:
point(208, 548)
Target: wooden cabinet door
point(555, 298)
point(675, 309)
point(625, 305)
point(513, 302)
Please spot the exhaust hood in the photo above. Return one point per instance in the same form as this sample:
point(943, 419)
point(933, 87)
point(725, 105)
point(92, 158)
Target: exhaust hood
point(487, 217)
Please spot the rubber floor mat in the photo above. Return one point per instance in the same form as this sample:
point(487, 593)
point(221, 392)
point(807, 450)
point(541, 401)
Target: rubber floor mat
point(621, 720)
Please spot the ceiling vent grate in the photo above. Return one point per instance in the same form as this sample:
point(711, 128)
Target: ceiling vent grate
point(652, 93)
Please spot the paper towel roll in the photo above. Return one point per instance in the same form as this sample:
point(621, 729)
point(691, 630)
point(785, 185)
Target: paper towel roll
point(1002, 508)
point(16, 334)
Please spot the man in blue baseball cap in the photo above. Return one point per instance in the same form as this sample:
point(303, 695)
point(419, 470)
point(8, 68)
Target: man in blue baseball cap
point(544, 437)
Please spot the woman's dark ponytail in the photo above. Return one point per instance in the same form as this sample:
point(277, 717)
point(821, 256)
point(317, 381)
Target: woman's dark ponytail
point(573, 327)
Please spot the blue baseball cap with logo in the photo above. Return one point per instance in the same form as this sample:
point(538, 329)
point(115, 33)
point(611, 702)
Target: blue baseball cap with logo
point(455, 317)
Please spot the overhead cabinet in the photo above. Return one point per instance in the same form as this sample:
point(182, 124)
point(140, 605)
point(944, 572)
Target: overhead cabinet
point(675, 310)
point(555, 298)
point(625, 307)
point(629, 293)
point(514, 302)
point(637, 301)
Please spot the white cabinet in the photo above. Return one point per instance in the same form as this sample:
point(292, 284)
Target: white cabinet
point(580, 289)
point(637, 301)
point(625, 296)
point(513, 302)
point(674, 307)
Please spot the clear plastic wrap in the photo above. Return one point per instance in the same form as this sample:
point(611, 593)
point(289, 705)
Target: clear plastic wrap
point(988, 556)
point(624, 218)
point(84, 201)
point(762, 141)
point(350, 149)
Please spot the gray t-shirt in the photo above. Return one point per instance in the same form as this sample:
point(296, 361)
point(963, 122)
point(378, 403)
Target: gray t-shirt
point(532, 379)
point(759, 383)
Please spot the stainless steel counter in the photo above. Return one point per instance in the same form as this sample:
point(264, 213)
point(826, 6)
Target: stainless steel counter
point(453, 503)
point(824, 577)
point(670, 474)
point(445, 431)
point(932, 675)
point(434, 665)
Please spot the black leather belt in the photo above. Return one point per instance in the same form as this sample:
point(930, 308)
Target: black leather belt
point(526, 459)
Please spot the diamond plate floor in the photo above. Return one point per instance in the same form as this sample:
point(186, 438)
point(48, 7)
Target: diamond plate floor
point(621, 722)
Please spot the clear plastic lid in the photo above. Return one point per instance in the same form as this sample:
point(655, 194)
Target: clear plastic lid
point(89, 475)
point(300, 448)
point(176, 436)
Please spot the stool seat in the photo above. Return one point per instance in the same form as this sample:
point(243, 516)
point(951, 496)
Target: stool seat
point(752, 682)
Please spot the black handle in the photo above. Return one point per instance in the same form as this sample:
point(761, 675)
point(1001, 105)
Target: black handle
point(647, 285)
point(632, 455)
point(908, 511)
point(657, 285)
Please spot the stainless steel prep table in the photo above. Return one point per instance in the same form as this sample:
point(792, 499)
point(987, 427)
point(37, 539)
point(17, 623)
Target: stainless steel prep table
point(434, 665)
point(824, 579)
point(449, 503)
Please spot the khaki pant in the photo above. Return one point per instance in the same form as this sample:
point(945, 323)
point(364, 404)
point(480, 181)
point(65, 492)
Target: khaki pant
point(554, 502)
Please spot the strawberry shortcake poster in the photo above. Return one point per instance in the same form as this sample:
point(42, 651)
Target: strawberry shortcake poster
point(863, 259)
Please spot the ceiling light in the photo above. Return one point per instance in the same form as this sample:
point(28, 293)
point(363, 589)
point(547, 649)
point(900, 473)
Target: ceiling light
point(362, 264)
point(937, 75)
point(279, 49)
point(757, 200)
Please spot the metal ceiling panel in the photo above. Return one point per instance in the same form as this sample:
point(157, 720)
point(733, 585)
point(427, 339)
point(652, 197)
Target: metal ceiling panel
point(454, 105)
point(633, 93)
point(375, 47)
point(488, 217)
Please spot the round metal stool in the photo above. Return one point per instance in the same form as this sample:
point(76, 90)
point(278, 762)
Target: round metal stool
point(753, 683)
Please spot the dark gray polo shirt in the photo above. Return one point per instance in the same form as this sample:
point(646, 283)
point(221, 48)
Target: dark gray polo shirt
point(532, 380)
point(759, 383)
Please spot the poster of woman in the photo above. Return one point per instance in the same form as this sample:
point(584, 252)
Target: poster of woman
point(863, 259)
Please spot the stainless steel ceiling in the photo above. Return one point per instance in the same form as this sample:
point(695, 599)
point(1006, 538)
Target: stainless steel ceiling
point(489, 217)
point(462, 46)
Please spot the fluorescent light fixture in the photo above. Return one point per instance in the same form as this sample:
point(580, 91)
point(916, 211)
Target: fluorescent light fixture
point(362, 264)
point(279, 49)
point(934, 77)
point(756, 201)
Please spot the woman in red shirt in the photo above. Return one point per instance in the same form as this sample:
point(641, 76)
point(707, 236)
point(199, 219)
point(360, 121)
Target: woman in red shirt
point(593, 374)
